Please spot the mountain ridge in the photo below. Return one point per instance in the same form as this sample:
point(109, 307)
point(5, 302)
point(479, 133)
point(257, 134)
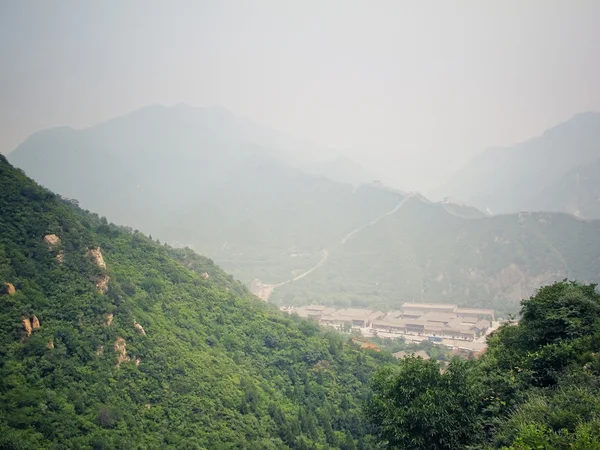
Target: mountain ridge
point(509, 179)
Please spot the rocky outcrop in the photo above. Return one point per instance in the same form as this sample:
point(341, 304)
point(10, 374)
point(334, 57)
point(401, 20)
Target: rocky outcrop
point(35, 323)
point(139, 328)
point(96, 255)
point(50, 344)
point(109, 318)
point(120, 348)
point(27, 326)
point(10, 288)
point(205, 275)
point(60, 257)
point(137, 361)
point(51, 240)
point(102, 283)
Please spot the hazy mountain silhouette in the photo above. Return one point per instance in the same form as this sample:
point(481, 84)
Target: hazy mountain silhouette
point(513, 178)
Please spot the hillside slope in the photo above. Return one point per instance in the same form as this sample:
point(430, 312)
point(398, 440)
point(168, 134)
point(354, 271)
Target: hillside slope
point(424, 252)
point(510, 179)
point(577, 193)
point(110, 340)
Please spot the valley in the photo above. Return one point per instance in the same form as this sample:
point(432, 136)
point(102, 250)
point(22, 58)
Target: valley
point(310, 225)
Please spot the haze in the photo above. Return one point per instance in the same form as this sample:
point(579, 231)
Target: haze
point(410, 90)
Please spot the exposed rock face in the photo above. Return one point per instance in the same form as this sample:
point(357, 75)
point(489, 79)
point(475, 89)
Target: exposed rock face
point(205, 275)
point(139, 328)
point(60, 257)
point(137, 361)
point(102, 283)
point(50, 344)
point(27, 325)
point(11, 288)
point(35, 323)
point(97, 257)
point(120, 348)
point(51, 240)
point(109, 319)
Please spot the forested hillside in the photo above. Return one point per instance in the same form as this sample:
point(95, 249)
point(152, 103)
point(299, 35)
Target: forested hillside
point(111, 340)
point(429, 253)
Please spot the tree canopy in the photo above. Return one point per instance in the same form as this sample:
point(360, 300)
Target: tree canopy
point(536, 387)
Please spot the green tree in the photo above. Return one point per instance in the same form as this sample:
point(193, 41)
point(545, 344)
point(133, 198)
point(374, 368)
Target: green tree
point(417, 406)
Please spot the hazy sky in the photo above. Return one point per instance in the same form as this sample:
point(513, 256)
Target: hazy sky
point(410, 88)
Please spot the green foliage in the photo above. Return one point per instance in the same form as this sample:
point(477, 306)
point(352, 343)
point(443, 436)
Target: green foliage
point(216, 368)
point(536, 387)
point(416, 406)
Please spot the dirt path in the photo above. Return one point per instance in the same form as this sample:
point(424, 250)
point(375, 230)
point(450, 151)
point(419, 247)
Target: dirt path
point(265, 290)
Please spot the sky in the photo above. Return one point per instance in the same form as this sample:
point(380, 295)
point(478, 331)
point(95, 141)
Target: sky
point(409, 89)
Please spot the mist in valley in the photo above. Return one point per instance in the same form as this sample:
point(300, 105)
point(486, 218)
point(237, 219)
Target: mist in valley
point(300, 195)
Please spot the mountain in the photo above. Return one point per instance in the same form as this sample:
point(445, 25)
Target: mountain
point(204, 178)
point(424, 252)
point(512, 179)
point(341, 169)
point(111, 340)
point(577, 192)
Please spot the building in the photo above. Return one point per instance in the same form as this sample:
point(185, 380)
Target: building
point(475, 313)
point(408, 308)
point(433, 320)
point(432, 323)
point(353, 317)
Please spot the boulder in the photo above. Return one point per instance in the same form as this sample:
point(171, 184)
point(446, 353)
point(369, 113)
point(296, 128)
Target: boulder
point(96, 255)
point(51, 240)
point(139, 328)
point(102, 284)
point(11, 289)
point(27, 325)
point(120, 348)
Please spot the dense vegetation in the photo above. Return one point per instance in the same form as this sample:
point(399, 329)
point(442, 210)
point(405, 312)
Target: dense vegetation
point(213, 368)
point(537, 386)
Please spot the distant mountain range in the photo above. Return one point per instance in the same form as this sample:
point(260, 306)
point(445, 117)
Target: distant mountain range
point(207, 178)
point(263, 205)
point(552, 172)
